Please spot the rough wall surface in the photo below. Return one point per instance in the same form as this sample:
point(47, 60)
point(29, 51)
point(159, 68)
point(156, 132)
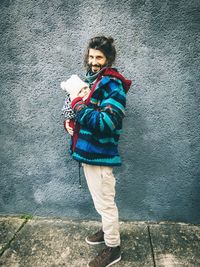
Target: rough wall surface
point(41, 44)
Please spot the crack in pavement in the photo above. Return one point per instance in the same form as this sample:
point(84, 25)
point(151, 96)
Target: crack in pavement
point(151, 245)
point(7, 246)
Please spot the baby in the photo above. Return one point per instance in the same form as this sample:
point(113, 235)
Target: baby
point(74, 87)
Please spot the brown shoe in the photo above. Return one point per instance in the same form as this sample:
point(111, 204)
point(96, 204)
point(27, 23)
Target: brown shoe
point(96, 238)
point(106, 257)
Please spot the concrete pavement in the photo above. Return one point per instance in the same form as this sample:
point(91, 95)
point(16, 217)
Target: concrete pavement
point(52, 242)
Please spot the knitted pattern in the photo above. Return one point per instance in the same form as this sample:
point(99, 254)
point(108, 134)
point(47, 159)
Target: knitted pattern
point(101, 123)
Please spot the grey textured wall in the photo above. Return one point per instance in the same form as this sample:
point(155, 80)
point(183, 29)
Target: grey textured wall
point(41, 44)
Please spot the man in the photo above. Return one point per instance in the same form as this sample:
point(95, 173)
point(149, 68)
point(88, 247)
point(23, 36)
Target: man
point(100, 123)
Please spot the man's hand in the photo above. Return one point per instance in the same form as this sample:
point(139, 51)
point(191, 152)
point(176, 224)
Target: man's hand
point(68, 128)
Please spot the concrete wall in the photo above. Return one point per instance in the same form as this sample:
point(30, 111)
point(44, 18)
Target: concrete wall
point(41, 44)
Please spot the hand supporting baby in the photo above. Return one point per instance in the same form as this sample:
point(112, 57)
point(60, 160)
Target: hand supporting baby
point(68, 128)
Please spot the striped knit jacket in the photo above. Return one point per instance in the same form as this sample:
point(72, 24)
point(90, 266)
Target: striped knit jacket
point(100, 120)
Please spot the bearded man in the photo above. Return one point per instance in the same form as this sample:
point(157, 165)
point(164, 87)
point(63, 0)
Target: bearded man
point(99, 119)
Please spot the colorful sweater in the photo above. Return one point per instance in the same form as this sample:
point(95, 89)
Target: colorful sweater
point(101, 120)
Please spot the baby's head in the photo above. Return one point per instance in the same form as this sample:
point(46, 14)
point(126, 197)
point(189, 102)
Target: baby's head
point(74, 85)
point(85, 90)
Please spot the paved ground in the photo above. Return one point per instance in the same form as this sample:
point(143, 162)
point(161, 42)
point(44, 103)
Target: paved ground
point(46, 242)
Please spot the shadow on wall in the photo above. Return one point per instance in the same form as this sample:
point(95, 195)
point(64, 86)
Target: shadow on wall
point(150, 183)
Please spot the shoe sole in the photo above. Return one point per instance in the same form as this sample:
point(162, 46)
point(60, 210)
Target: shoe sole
point(94, 243)
point(115, 261)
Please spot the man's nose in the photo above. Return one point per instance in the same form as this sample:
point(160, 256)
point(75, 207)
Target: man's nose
point(94, 61)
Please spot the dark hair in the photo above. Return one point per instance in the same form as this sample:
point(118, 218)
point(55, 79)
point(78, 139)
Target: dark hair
point(105, 45)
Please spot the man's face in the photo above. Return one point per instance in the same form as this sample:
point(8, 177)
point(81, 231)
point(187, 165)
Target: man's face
point(96, 60)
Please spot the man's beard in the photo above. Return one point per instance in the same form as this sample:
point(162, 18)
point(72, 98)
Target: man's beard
point(89, 67)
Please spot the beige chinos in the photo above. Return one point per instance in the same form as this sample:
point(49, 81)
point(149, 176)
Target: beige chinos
point(101, 183)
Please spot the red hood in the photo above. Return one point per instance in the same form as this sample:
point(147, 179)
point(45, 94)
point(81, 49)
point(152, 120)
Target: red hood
point(114, 73)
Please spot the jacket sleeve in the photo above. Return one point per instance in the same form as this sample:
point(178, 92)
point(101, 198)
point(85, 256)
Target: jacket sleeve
point(109, 114)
